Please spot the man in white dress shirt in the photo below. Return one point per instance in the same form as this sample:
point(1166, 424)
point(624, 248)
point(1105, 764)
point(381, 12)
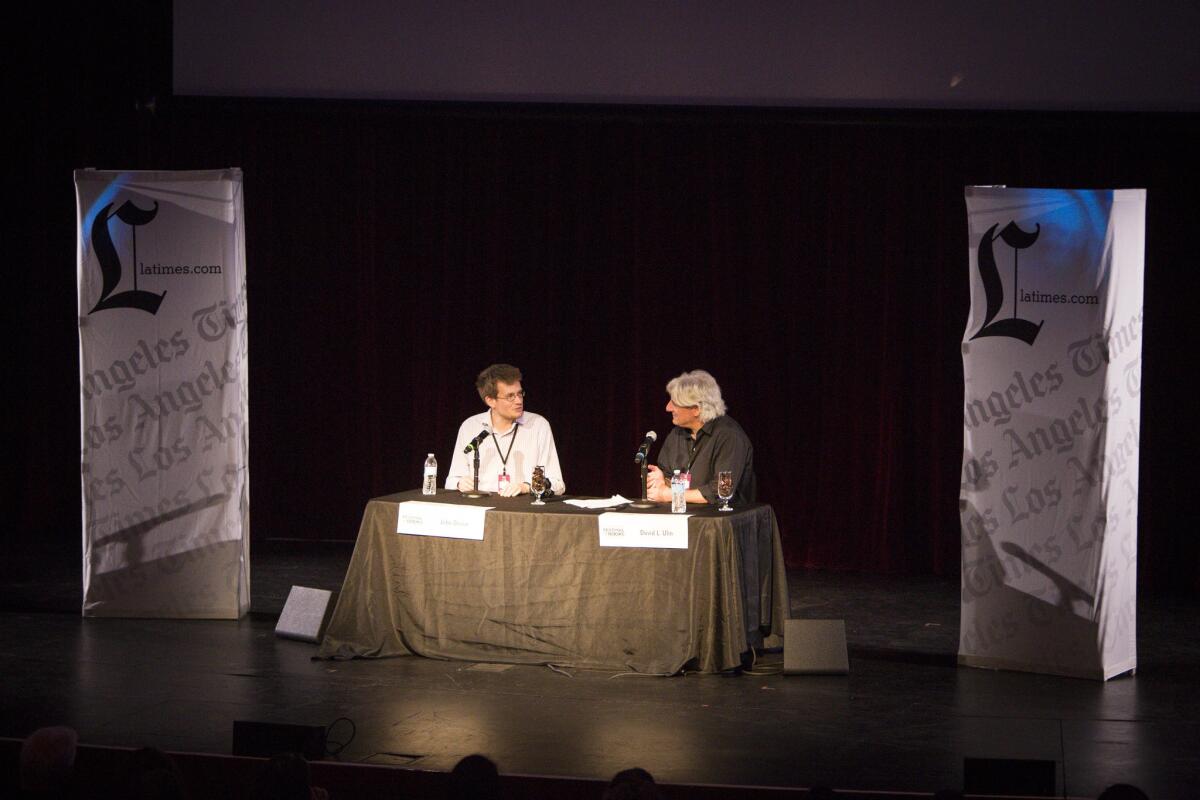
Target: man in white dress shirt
point(516, 440)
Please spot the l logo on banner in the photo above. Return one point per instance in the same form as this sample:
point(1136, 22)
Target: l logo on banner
point(993, 289)
point(110, 260)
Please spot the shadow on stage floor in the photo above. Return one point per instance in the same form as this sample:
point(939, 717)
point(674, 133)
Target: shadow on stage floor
point(904, 719)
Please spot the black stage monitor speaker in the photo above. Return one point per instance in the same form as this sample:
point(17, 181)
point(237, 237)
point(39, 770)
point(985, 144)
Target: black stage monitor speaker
point(815, 647)
point(305, 614)
point(1013, 776)
point(265, 739)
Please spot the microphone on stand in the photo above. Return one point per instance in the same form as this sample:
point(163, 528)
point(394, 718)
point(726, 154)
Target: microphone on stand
point(474, 443)
point(644, 450)
point(642, 457)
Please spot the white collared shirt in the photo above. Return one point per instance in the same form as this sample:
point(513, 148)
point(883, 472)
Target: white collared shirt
point(534, 445)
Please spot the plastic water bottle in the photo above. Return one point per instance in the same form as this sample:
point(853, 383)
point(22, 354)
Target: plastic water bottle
point(429, 485)
point(678, 500)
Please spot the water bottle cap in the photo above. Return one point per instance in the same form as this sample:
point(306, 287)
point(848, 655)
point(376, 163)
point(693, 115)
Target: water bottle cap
point(676, 472)
point(431, 455)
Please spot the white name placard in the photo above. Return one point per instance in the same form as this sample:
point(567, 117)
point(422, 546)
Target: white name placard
point(644, 530)
point(441, 519)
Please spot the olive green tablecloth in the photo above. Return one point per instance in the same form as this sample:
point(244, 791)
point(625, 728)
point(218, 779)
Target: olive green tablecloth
point(540, 590)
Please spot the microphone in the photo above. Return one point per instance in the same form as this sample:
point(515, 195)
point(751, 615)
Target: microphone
point(644, 450)
point(474, 443)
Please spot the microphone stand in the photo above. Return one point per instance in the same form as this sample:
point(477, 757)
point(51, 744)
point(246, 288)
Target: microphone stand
point(476, 494)
point(645, 501)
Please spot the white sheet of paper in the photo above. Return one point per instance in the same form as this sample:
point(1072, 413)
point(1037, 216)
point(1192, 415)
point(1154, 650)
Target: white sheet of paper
point(612, 502)
point(644, 530)
point(417, 518)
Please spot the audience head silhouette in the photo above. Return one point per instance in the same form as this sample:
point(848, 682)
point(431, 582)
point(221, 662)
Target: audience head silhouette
point(285, 776)
point(632, 784)
point(474, 778)
point(153, 776)
point(48, 761)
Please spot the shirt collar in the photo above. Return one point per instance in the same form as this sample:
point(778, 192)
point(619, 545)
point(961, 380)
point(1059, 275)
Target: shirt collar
point(705, 430)
point(487, 423)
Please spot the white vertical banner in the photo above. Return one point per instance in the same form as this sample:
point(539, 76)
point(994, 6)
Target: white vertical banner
point(163, 393)
point(1052, 366)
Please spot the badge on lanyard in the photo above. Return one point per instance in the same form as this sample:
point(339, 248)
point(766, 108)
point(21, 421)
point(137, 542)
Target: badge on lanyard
point(687, 479)
point(504, 479)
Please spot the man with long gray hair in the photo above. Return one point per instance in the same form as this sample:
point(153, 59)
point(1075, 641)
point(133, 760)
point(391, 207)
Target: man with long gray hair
point(703, 442)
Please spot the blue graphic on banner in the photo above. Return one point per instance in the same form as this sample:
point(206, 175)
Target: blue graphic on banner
point(1079, 222)
point(105, 198)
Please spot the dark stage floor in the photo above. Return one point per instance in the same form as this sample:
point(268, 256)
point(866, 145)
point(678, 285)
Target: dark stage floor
point(903, 719)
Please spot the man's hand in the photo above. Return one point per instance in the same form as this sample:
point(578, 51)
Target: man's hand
point(513, 489)
point(655, 479)
point(466, 484)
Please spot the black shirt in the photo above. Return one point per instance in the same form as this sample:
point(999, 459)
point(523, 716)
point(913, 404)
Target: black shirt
point(720, 444)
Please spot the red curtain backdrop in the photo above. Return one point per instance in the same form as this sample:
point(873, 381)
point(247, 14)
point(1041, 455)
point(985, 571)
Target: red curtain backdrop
point(814, 262)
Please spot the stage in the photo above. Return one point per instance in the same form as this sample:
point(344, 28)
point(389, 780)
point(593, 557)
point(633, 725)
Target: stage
point(904, 718)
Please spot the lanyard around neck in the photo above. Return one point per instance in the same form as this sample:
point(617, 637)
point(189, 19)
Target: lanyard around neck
point(694, 451)
point(511, 442)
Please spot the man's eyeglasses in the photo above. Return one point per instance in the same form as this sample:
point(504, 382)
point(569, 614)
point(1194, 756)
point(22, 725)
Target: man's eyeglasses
point(512, 397)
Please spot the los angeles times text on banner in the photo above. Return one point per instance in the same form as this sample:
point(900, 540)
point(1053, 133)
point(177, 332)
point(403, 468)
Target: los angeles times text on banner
point(1052, 365)
point(163, 393)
